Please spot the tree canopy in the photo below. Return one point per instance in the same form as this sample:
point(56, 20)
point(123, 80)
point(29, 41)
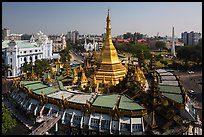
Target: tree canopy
point(160, 45)
point(39, 67)
point(135, 49)
point(64, 54)
point(190, 53)
point(7, 121)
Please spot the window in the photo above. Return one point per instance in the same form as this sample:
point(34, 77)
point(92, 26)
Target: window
point(36, 50)
point(24, 51)
point(137, 127)
point(94, 121)
point(125, 127)
point(10, 73)
point(11, 67)
point(11, 60)
point(30, 51)
point(31, 59)
point(105, 124)
point(21, 59)
point(36, 57)
point(21, 52)
point(67, 117)
point(77, 120)
point(39, 50)
point(25, 59)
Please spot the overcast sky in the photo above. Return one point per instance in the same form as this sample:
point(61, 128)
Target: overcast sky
point(90, 17)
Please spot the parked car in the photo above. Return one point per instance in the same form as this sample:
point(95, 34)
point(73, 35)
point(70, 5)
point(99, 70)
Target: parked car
point(191, 91)
point(190, 72)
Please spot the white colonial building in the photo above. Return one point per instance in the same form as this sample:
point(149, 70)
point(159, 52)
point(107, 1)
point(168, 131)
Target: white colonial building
point(92, 46)
point(16, 52)
point(59, 44)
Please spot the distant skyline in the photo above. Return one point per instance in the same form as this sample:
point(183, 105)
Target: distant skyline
point(90, 17)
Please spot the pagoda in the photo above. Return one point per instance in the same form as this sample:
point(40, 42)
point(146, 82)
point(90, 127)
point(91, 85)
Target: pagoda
point(110, 68)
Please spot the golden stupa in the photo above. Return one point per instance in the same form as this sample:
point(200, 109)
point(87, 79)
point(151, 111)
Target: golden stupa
point(110, 69)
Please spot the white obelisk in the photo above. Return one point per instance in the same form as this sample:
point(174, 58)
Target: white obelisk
point(173, 53)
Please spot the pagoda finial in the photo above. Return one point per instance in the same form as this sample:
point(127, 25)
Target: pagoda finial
point(32, 74)
point(48, 77)
point(108, 28)
point(83, 76)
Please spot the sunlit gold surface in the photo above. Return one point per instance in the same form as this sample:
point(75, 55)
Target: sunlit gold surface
point(110, 66)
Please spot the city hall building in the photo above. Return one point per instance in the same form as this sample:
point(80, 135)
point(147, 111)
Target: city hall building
point(16, 52)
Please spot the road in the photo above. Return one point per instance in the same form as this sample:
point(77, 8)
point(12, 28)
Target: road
point(192, 81)
point(75, 56)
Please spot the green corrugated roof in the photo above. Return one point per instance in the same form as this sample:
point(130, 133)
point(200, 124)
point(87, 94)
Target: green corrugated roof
point(45, 75)
point(4, 43)
point(170, 89)
point(20, 44)
point(59, 77)
point(61, 85)
point(128, 104)
point(106, 101)
point(176, 97)
point(46, 91)
point(29, 82)
point(38, 87)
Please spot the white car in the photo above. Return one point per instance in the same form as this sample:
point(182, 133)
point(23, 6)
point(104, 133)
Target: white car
point(190, 72)
point(191, 91)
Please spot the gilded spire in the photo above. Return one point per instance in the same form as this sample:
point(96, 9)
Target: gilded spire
point(48, 76)
point(109, 54)
point(94, 80)
point(52, 70)
point(80, 68)
point(155, 77)
point(136, 74)
point(32, 71)
point(75, 72)
point(109, 63)
point(32, 74)
point(83, 76)
point(108, 28)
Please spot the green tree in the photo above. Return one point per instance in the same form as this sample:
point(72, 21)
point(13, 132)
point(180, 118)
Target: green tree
point(160, 45)
point(64, 54)
point(190, 53)
point(5, 68)
point(7, 121)
point(41, 66)
point(135, 49)
point(27, 67)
